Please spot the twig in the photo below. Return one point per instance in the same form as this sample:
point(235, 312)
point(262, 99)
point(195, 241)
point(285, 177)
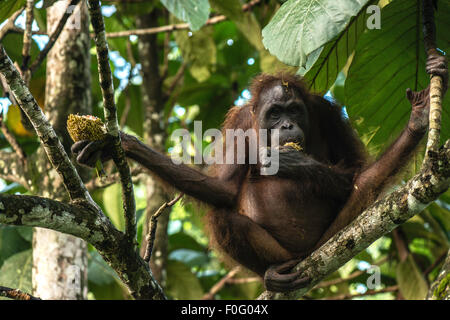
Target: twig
point(176, 27)
point(219, 285)
point(112, 125)
point(52, 39)
point(9, 26)
point(16, 294)
point(436, 82)
point(152, 226)
point(367, 293)
point(27, 40)
point(12, 140)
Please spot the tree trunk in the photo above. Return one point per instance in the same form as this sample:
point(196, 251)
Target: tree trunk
point(59, 260)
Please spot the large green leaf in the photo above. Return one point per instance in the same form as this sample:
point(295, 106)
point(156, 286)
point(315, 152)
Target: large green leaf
point(301, 26)
point(324, 64)
point(194, 12)
point(16, 271)
point(386, 62)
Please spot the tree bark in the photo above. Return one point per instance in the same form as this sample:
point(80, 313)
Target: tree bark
point(59, 260)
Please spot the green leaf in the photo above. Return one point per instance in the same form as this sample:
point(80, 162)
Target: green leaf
point(11, 242)
point(199, 50)
point(191, 258)
point(16, 271)
point(324, 64)
point(386, 63)
point(8, 7)
point(112, 200)
point(412, 284)
point(247, 23)
point(181, 282)
point(181, 240)
point(194, 12)
point(301, 26)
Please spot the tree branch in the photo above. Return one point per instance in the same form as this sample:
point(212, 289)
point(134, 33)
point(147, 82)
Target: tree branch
point(112, 125)
point(9, 26)
point(53, 37)
point(382, 217)
point(152, 226)
point(90, 225)
point(436, 82)
point(27, 36)
point(16, 294)
point(176, 27)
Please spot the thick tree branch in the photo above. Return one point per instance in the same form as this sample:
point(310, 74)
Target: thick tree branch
point(112, 125)
point(90, 225)
point(382, 217)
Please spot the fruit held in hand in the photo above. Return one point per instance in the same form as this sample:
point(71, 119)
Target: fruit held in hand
point(294, 145)
point(87, 128)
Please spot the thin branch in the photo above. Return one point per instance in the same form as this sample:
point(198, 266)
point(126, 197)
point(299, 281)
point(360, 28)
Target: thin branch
point(16, 294)
point(176, 27)
point(380, 218)
point(152, 226)
point(367, 293)
point(219, 285)
point(27, 37)
point(9, 26)
point(436, 82)
point(52, 39)
point(112, 125)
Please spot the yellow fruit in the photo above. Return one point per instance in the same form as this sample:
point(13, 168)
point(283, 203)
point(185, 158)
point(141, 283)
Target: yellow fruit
point(294, 145)
point(85, 128)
